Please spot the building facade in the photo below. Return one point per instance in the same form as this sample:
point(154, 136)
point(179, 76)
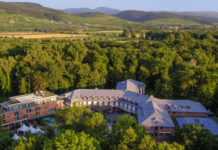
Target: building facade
point(29, 106)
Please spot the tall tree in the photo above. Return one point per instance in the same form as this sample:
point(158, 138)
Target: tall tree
point(38, 82)
point(69, 140)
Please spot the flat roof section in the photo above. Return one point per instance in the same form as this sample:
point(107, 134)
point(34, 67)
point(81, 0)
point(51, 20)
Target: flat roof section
point(26, 98)
point(206, 123)
point(30, 97)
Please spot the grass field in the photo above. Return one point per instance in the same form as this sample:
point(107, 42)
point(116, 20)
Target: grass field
point(34, 35)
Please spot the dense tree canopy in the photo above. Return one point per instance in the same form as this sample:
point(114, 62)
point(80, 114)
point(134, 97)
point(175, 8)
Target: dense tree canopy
point(126, 133)
point(69, 140)
point(180, 65)
point(82, 119)
point(193, 137)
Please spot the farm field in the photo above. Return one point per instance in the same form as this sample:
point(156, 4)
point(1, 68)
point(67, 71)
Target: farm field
point(34, 35)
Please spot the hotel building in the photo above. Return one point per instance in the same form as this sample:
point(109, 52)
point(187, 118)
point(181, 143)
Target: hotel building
point(152, 113)
point(29, 106)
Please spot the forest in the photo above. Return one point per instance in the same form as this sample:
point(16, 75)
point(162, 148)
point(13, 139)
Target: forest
point(173, 65)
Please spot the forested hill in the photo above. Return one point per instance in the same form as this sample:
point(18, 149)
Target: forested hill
point(30, 16)
point(207, 14)
point(141, 16)
point(32, 9)
point(104, 10)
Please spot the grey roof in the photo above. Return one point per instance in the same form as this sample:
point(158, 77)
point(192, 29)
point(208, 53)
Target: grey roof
point(150, 111)
point(182, 105)
point(138, 98)
point(129, 85)
point(206, 123)
point(152, 115)
point(94, 93)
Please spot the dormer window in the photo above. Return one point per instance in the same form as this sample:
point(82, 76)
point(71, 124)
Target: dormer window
point(188, 107)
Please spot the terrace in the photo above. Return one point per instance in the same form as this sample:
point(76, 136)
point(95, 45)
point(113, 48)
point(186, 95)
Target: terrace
point(27, 100)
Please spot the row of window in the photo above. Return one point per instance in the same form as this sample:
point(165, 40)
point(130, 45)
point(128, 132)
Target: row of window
point(104, 99)
point(27, 111)
point(190, 113)
point(25, 116)
point(161, 128)
point(117, 104)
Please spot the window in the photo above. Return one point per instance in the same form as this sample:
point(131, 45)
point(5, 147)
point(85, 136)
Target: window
point(38, 108)
point(29, 110)
point(16, 113)
point(51, 109)
point(24, 106)
point(25, 116)
point(37, 113)
point(16, 118)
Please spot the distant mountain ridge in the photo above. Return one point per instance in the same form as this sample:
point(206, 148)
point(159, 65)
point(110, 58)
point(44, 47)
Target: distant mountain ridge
point(143, 17)
point(23, 16)
point(104, 10)
point(206, 14)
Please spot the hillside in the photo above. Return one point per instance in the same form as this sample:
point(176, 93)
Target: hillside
point(30, 16)
point(152, 17)
point(22, 23)
point(104, 10)
point(207, 14)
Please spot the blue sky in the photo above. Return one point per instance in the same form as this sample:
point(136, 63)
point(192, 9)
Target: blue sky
point(147, 5)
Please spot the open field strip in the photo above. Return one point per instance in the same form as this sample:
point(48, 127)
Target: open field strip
point(30, 35)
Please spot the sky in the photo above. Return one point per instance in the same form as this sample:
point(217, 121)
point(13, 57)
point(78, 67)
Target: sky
point(146, 5)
